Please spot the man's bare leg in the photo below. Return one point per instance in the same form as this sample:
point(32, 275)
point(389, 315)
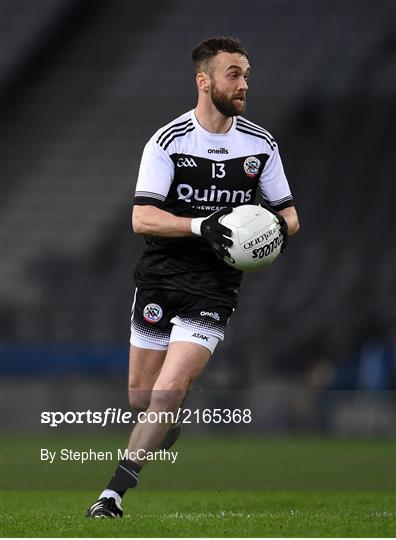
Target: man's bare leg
point(183, 363)
point(144, 368)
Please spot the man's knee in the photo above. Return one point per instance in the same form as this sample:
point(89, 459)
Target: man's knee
point(170, 395)
point(139, 400)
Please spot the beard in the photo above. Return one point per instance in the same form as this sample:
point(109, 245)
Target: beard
point(224, 104)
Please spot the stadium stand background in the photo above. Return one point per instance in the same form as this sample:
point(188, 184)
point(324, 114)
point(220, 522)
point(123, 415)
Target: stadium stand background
point(84, 84)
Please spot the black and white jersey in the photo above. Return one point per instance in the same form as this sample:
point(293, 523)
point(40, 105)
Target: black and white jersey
point(190, 172)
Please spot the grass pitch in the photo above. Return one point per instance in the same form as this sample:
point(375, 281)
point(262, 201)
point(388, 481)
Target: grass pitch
point(227, 487)
point(204, 514)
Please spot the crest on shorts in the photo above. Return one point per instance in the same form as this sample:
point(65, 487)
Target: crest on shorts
point(251, 166)
point(152, 313)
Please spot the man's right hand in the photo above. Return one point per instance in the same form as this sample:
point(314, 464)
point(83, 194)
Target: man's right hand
point(284, 230)
point(214, 232)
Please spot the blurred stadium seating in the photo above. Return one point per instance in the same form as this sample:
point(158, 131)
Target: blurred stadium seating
point(84, 84)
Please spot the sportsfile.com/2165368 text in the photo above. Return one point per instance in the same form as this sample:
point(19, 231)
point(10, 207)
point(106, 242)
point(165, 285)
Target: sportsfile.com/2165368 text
point(118, 416)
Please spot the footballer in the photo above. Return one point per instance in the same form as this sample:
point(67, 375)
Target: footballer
point(194, 170)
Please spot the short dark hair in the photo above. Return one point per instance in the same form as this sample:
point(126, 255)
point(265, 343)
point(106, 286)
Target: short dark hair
point(205, 51)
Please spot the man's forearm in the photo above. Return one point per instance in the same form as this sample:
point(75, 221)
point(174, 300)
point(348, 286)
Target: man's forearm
point(151, 220)
point(291, 218)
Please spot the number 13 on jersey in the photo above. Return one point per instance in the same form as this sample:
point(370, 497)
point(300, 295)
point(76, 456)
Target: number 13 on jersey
point(218, 170)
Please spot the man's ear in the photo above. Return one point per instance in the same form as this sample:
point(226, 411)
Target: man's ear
point(203, 81)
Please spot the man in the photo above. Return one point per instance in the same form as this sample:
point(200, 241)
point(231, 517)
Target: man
point(193, 170)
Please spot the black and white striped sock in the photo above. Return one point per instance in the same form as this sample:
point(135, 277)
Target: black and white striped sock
point(126, 476)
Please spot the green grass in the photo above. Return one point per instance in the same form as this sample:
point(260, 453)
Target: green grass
point(219, 486)
point(186, 514)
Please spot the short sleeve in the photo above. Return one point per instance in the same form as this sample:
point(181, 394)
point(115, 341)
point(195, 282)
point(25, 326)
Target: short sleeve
point(273, 183)
point(155, 176)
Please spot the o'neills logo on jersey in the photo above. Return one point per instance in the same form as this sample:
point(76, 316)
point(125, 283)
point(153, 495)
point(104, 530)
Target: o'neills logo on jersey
point(187, 193)
point(251, 166)
point(217, 151)
point(152, 313)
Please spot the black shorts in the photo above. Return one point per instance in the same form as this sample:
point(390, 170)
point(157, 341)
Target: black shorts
point(154, 312)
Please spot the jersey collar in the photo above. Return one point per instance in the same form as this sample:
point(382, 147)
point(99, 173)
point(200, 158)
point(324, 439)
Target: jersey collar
point(208, 134)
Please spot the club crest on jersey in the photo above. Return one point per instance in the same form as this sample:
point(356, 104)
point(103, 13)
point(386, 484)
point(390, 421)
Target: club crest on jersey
point(152, 313)
point(251, 166)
